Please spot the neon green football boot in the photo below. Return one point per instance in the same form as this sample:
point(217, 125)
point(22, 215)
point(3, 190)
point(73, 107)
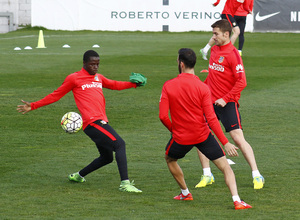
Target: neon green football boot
point(203, 54)
point(205, 180)
point(76, 178)
point(258, 182)
point(127, 186)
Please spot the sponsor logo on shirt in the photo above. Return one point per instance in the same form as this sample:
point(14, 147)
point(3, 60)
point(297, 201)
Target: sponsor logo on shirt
point(239, 68)
point(92, 85)
point(217, 67)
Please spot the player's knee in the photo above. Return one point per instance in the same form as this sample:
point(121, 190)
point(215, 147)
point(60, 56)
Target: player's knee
point(236, 31)
point(169, 159)
point(109, 158)
point(238, 137)
point(119, 144)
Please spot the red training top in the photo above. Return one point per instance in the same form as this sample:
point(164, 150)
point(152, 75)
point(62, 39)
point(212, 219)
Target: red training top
point(88, 94)
point(226, 78)
point(242, 12)
point(188, 100)
point(232, 5)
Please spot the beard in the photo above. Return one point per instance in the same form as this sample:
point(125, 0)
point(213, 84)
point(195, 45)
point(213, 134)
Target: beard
point(179, 68)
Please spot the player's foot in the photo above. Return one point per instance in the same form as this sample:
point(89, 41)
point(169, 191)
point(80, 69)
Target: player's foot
point(258, 182)
point(204, 55)
point(182, 197)
point(205, 180)
point(241, 205)
point(76, 178)
point(240, 52)
point(127, 186)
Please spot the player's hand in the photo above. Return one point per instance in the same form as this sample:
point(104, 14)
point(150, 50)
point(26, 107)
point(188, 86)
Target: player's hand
point(216, 3)
point(24, 108)
point(231, 150)
point(220, 102)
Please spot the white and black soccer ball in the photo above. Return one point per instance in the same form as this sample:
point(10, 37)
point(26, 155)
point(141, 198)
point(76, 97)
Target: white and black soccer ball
point(71, 122)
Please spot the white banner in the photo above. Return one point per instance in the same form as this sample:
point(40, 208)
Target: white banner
point(128, 15)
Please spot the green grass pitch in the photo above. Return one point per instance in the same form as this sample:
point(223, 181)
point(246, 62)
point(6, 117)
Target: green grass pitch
point(36, 155)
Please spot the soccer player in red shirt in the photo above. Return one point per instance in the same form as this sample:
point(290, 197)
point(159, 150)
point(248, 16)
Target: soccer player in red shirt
point(188, 101)
point(240, 17)
point(228, 12)
point(226, 80)
point(86, 86)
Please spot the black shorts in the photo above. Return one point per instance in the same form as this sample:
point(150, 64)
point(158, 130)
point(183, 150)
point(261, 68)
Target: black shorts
point(229, 116)
point(210, 148)
point(231, 19)
point(241, 22)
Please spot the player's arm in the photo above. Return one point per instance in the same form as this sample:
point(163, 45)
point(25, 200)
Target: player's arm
point(246, 6)
point(215, 125)
point(216, 3)
point(238, 71)
point(51, 98)
point(251, 6)
point(164, 111)
point(116, 85)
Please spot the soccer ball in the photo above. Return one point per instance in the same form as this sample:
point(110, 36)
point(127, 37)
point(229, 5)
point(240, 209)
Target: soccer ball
point(71, 122)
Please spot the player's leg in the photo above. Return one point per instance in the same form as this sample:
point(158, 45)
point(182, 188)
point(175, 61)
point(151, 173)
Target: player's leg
point(105, 151)
point(212, 150)
point(229, 176)
point(103, 138)
point(175, 151)
point(238, 138)
point(176, 171)
point(106, 157)
point(107, 140)
point(117, 144)
point(235, 27)
point(230, 181)
point(235, 34)
point(207, 178)
point(204, 50)
point(241, 21)
point(231, 120)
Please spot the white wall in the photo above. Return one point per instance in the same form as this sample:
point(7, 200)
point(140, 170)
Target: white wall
point(114, 15)
point(127, 15)
point(21, 10)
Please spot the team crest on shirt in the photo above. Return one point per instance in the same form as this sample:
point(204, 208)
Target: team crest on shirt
point(221, 59)
point(96, 78)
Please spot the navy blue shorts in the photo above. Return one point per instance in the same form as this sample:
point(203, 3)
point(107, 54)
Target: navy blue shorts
point(231, 19)
point(229, 116)
point(210, 148)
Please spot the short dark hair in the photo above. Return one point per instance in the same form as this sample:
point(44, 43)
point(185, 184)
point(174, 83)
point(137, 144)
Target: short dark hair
point(224, 26)
point(187, 56)
point(88, 54)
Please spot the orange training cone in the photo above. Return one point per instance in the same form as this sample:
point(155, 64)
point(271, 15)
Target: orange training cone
point(41, 43)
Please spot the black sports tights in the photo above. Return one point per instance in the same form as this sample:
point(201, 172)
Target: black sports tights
point(107, 141)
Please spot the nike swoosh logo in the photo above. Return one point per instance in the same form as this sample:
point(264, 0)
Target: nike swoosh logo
point(261, 18)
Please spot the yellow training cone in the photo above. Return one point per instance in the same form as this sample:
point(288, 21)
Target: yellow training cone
point(41, 43)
